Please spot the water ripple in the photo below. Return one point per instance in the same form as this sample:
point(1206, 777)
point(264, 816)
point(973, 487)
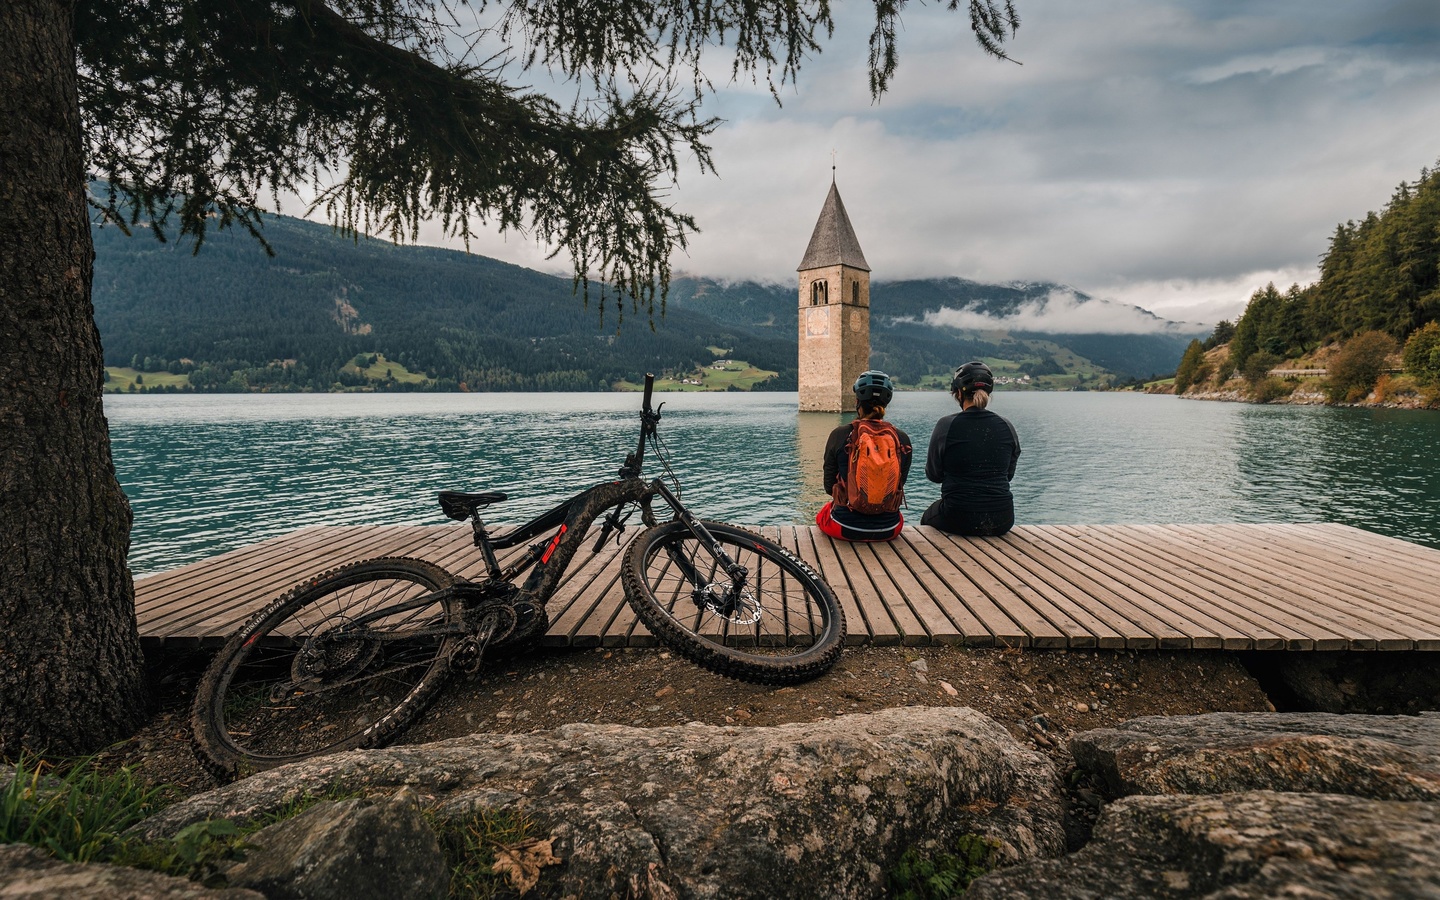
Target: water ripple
point(209, 474)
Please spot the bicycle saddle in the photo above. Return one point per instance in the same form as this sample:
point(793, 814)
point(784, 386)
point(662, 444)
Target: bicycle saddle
point(461, 506)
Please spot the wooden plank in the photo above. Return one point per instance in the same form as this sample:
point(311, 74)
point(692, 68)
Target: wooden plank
point(1309, 586)
point(1370, 631)
point(1357, 633)
point(214, 614)
point(1299, 630)
point(1369, 579)
point(208, 626)
point(254, 558)
point(1074, 578)
point(577, 597)
point(1102, 577)
point(1247, 631)
point(1055, 587)
point(937, 604)
point(1040, 623)
point(882, 633)
point(797, 539)
point(977, 596)
point(1371, 568)
point(1419, 559)
point(878, 594)
point(1082, 627)
point(200, 584)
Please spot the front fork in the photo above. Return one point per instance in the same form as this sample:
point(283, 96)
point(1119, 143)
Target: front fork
point(736, 572)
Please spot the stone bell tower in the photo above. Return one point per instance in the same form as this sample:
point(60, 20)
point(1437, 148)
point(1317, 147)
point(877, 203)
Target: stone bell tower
point(834, 312)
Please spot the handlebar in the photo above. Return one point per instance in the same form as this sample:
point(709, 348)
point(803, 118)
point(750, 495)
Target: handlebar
point(649, 389)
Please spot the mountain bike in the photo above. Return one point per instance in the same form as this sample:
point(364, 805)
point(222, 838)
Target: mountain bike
point(349, 658)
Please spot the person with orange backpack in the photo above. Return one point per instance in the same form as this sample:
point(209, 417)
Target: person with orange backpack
point(866, 464)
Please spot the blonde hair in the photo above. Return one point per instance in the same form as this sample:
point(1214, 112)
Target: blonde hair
point(977, 398)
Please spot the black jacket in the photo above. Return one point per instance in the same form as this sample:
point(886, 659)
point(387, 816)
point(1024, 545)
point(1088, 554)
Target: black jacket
point(972, 455)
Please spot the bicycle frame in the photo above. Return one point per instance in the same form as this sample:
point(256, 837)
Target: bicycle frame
point(574, 516)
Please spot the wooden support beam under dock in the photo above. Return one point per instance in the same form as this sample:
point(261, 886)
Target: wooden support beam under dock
point(1139, 587)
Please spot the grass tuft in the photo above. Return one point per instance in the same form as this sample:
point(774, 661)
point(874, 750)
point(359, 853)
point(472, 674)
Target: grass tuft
point(470, 844)
point(921, 876)
point(72, 809)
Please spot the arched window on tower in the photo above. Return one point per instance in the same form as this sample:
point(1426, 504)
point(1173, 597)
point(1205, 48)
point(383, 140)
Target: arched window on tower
point(819, 293)
point(855, 292)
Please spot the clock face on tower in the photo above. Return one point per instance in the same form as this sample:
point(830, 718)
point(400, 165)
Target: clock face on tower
point(817, 321)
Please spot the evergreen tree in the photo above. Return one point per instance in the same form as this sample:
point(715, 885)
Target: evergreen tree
point(188, 109)
point(1422, 354)
point(1190, 364)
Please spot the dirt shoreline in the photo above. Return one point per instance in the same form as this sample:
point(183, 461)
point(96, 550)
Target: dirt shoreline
point(1040, 696)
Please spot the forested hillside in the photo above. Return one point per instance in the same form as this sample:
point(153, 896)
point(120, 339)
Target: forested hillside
point(1379, 292)
point(328, 312)
point(1379, 274)
point(234, 318)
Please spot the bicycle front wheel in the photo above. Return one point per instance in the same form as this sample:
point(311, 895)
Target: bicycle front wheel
point(782, 626)
point(344, 660)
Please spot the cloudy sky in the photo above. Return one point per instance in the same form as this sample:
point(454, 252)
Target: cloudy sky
point(1171, 154)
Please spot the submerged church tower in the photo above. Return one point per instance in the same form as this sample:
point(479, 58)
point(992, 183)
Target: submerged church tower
point(834, 312)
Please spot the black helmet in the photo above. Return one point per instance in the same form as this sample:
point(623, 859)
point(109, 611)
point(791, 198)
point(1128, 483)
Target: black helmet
point(973, 376)
point(874, 388)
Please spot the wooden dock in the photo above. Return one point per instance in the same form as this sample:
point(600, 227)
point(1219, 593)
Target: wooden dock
point(1139, 587)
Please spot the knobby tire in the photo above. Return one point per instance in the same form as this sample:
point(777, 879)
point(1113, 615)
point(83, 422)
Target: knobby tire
point(237, 730)
point(798, 628)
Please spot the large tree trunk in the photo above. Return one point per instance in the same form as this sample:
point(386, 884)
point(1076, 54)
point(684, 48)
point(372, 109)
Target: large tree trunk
point(71, 673)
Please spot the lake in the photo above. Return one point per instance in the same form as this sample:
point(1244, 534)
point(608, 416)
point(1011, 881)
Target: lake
point(209, 473)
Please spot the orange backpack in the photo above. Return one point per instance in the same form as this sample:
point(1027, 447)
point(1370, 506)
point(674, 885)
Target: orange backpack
point(872, 480)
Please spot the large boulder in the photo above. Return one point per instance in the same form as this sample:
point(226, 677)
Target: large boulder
point(1257, 844)
point(805, 810)
point(29, 874)
point(346, 850)
point(1380, 757)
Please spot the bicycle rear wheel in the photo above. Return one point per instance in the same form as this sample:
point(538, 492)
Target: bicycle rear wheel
point(783, 627)
point(344, 660)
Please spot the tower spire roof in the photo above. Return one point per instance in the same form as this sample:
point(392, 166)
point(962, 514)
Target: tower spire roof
point(834, 241)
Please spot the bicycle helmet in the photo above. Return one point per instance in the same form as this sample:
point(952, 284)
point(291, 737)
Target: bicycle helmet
point(874, 388)
point(973, 376)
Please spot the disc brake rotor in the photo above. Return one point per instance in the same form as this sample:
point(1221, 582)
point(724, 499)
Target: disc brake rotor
point(738, 608)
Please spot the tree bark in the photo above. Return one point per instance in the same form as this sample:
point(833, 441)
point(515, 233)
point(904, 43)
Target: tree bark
point(71, 671)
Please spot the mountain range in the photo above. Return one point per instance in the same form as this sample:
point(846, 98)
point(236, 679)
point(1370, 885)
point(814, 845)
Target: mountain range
point(233, 318)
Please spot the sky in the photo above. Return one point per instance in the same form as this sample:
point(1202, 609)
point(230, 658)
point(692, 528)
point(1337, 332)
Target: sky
point(1174, 155)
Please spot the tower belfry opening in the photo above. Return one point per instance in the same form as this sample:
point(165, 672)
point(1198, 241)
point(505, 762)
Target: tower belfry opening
point(834, 311)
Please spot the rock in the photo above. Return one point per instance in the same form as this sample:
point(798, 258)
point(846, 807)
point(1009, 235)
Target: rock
point(29, 874)
point(345, 850)
point(1257, 844)
point(803, 810)
point(920, 665)
point(1380, 757)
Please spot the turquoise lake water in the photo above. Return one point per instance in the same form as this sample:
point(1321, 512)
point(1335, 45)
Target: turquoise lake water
point(210, 473)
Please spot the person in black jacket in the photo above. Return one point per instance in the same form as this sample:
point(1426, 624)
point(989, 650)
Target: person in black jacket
point(972, 455)
point(873, 392)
